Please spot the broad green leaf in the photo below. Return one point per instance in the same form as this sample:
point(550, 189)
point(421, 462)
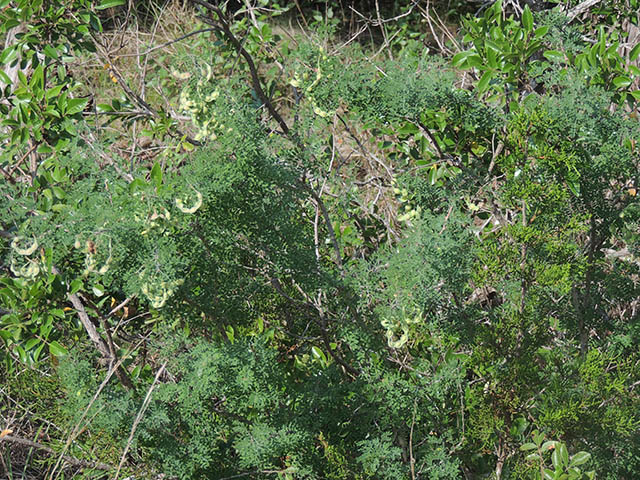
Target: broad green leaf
point(266, 32)
point(317, 353)
point(492, 59)
point(109, 3)
point(483, 84)
point(541, 31)
point(9, 54)
point(528, 446)
point(622, 81)
point(58, 174)
point(76, 286)
point(527, 19)
point(464, 59)
point(460, 58)
point(44, 148)
point(491, 45)
point(21, 353)
point(53, 92)
point(564, 454)
point(23, 78)
point(431, 176)
point(53, 112)
point(574, 186)
point(137, 184)
point(556, 459)
point(533, 48)
point(156, 174)
point(580, 458)
point(58, 192)
point(554, 56)
point(57, 350)
point(548, 445)
point(635, 52)
point(5, 78)
point(104, 107)
point(474, 61)
point(38, 350)
point(408, 129)
point(230, 333)
point(62, 103)
point(76, 105)
point(50, 52)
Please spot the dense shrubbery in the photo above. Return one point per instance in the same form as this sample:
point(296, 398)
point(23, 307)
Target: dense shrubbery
point(338, 266)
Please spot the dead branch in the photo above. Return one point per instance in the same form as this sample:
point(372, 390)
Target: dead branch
point(578, 9)
point(76, 462)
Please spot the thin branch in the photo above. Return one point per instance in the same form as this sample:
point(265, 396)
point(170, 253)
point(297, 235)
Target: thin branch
point(170, 42)
point(98, 341)
point(381, 21)
point(133, 96)
point(143, 408)
point(327, 221)
point(224, 26)
point(76, 462)
point(322, 323)
point(578, 9)
point(255, 472)
point(8, 176)
point(22, 159)
point(362, 147)
point(412, 460)
point(79, 427)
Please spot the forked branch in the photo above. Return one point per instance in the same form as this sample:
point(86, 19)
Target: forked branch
point(223, 26)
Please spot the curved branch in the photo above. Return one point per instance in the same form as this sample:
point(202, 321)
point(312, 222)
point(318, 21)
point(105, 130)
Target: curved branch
point(255, 79)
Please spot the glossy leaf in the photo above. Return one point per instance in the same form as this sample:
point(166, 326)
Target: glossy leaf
point(483, 84)
point(622, 81)
point(527, 18)
point(554, 56)
point(580, 458)
point(57, 350)
point(110, 3)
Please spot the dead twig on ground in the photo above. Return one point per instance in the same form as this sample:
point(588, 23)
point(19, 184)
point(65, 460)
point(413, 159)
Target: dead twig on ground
point(76, 462)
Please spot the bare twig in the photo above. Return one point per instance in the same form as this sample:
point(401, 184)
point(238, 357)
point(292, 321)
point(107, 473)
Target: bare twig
point(170, 42)
point(8, 176)
point(327, 220)
point(255, 472)
point(379, 21)
point(102, 346)
point(79, 427)
point(76, 462)
point(412, 461)
point(578, 9)
point(143, 408)
point(255, 78)
point(128, 91)
point(362, 147)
